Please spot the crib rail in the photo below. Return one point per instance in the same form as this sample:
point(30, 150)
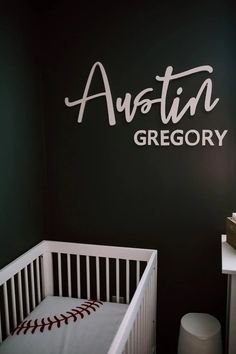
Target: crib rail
point(85, 271)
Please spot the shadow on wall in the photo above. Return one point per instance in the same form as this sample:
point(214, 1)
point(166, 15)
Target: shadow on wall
point(22, 180)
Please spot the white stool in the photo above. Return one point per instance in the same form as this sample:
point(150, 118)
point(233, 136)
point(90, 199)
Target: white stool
point(200, 333)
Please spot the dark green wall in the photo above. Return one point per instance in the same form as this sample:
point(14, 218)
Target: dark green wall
point(22, 177)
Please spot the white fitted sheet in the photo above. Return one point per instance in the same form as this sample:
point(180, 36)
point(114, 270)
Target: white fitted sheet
point(68, 332)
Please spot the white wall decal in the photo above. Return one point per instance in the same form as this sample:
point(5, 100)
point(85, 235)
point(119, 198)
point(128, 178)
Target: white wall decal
point(129, 105)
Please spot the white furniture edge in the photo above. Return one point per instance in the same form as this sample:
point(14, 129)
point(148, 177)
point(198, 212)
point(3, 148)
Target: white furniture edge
point(229, 268)
point(228, 257)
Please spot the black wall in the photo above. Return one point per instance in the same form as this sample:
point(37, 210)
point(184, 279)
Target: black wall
point(22, 150)
point(105, 189)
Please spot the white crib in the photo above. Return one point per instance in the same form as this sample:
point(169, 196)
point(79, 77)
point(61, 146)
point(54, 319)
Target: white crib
point(112, 274)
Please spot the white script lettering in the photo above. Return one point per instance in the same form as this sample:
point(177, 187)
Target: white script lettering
point(129, 106)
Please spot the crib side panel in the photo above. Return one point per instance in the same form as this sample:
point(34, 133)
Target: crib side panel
point(142, 336)
point(21, 289)
point(92, 271)
point(87, 276)
point(137, 332)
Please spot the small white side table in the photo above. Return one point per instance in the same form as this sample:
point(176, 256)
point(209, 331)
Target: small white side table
point(229, 268)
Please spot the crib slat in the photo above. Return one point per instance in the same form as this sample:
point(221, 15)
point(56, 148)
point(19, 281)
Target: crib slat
point(142, 325)
point(59, 273)
point(153, 299)
point(47, 274)
point(97, 278)
point(38, 281)
point(107, 280)
point(88, 276)
point(137, 272)
point(140, 328)
point(117, 280)
point(20, 297)
point(148, 320)
point(134, 338)
point(6, 308)
point(32, 283)
point(127, 282)
point(13, 298)
point(129, 344)
point(131, 341)
point(27, 291)
point(149, 325)
point(78, 277)
point(149, 315)
point(152, 312)
point(69, 274)
point(146, 323)
point(126, 349)
point(138, 333)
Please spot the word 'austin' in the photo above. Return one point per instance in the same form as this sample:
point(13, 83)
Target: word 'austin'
point(129, 105)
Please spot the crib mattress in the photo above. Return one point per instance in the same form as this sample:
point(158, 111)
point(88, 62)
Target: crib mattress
point(61, 325)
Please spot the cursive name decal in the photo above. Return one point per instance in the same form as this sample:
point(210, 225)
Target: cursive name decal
point(142, 102)
point(129, 105)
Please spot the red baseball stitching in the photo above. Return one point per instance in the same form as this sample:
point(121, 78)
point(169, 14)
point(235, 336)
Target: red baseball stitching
point(43, 324)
